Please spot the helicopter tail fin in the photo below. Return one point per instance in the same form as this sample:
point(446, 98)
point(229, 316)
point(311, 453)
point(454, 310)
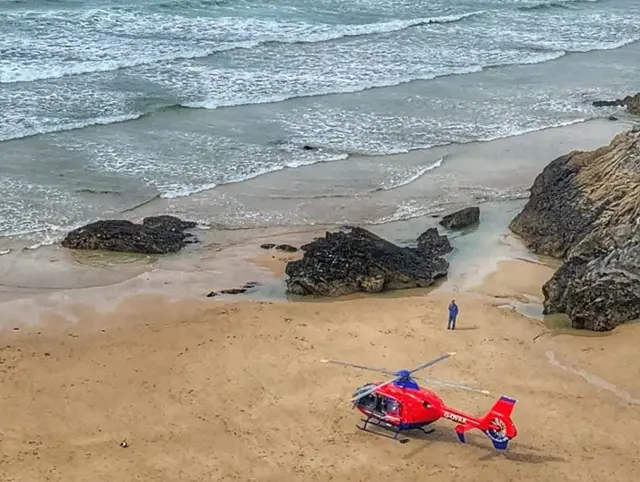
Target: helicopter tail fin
point(497, 423)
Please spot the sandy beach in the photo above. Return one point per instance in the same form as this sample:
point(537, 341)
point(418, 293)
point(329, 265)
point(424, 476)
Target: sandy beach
point(207, 389)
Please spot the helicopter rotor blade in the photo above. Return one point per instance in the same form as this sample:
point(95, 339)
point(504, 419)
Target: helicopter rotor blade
point(362, 367)
point(374, 388)
point(432, 362)
point(452, 385)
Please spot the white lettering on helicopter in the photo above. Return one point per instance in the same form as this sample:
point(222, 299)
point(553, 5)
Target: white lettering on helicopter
point(454, 417)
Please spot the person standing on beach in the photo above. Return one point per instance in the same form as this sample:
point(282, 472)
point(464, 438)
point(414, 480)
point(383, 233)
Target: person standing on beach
point(453, 314)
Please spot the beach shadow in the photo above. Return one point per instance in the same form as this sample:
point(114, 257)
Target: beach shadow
point(516, 452)
point(465, 328)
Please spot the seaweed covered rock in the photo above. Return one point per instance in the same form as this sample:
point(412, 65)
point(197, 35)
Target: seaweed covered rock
point(355, 259)
point(585, 208)
point(156, 235)
point(432, 243)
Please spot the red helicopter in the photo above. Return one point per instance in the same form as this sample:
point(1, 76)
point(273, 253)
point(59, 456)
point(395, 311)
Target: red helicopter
point(399, 405)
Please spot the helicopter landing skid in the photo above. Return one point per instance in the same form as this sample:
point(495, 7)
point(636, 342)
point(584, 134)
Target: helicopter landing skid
point(385, 426)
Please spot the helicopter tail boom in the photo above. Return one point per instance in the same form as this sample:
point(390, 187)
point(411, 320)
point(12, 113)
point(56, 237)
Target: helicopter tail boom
point(496, 423)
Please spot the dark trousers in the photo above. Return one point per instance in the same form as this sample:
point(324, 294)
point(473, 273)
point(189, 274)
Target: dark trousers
point(452, 322)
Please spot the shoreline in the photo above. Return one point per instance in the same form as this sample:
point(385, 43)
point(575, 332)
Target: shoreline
point(274, 187)
point(225, 259)
point(503, 166)
point(507, 164)
point(192, 274)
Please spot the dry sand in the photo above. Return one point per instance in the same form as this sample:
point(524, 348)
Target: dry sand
point(210, 390)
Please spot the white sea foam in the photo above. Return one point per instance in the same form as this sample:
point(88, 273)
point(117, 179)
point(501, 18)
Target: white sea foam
point(535, 5)
point(410, 209)
point(395, 183)
point(178, 40)
point(13, 133)
point(185, 191)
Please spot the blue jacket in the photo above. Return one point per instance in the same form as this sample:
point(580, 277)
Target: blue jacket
point(453, 309)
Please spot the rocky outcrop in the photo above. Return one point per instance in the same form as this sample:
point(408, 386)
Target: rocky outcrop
point(355, 259)
point(461, 219)
point(431, 243)
point(251, 285)
point(287, 248)
point(585, 208)
point(156, 235)
point(631, 102)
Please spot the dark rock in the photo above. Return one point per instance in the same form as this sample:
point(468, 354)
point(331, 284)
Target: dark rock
point(233, 291)
point(355, 259)
point(461, 219)
point(168, 223)
point(554, 219)
point(433, 244)
point(156, 235)
point(267, 246)
point(307, 147)
point(608, 291)
point(631, 102)
point(585, 208)
point(612, 118)
point(287, 248)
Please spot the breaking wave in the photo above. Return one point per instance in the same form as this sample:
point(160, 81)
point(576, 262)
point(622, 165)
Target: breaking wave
point(555, 4)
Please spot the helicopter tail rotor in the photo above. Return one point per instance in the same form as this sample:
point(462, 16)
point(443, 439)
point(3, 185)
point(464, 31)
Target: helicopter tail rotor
point(497, 423)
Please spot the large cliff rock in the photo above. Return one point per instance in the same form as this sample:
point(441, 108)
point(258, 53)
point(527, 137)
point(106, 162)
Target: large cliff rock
point(156, 235)
point(585, 208)
point(355, 259)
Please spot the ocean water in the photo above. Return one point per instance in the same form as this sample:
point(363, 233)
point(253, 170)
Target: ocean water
point(107, 104)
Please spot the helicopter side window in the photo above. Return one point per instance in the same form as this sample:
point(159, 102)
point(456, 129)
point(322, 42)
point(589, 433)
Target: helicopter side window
point(392, 407)
point(375, 403)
